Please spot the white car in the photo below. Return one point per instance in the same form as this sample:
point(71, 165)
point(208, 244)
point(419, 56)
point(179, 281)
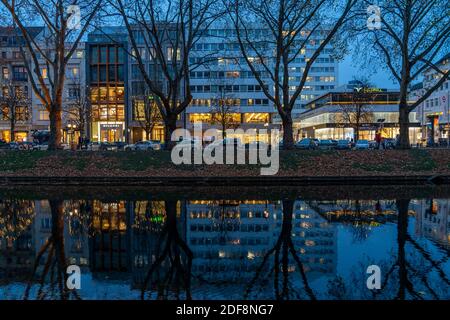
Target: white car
point(146, 145)
point(41, 147)
point(362, 145)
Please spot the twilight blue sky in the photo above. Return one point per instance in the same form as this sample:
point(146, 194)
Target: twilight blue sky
point(348, 70)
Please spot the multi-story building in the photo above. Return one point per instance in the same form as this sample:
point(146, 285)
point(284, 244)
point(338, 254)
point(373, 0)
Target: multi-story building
point(433, 220)
point(107, 78)
point(434, 112)
point(327, 117)
point(226, 80)
point(14, 86)
point(74, 91)
point(118, 88)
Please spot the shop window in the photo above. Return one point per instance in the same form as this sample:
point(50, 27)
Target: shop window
point(200, 117)
point(256, 118)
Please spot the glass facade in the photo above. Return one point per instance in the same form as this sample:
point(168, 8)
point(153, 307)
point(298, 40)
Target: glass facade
point(107, 92)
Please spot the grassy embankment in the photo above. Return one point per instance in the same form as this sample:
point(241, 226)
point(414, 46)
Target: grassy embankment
point(292, 163)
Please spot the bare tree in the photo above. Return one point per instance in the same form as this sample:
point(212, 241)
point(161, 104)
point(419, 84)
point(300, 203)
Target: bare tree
point(223, 109)
point(78, 107)
point(147, 114)
point(413, 35)
point(360, 110)
point(14, 105)
point(168, 31)
point(55, 47)
point(292, 26)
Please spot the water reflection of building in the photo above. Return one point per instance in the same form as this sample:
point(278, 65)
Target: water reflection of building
point(432, 220)
point(16, 239)
point(109, 242)
point(229, 238)
point(360, 212)
point(147, 222)
point(76, 235)
point(316, 240)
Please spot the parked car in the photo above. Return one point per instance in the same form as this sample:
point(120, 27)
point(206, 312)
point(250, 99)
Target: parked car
point(25, 145)
point(9, 146)
point(121, 145)
point(306, 144)
point(362, 145)
point(343, 145)
point(147, 145)
point(108, 146)
point(41, 147)
point(326, 144)
point(94, 146)
point(389, 143)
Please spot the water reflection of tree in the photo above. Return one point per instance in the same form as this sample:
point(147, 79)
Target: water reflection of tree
point(52, 278)
point(361, 215)
point(409, 272)
point(281, 252)
point(15, 218)
point(171, 269)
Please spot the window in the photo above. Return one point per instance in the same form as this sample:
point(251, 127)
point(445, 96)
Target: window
point(94, 55)
point(5, 73)
point(21, 113)
point(256, 118)
point(43, 115)
point(20, 74)
point(170, 54)
point(44, 73)
point(74, 93)
point(75, 71)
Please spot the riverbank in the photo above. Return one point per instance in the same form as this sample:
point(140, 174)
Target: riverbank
point(156, 168)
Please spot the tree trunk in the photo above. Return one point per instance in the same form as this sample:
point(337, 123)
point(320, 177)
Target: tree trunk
point(288, 134)
point(403, 120)
point(13, 127)
point(356, 133)
point(55, 128)
point(170, 125)
point(148, 133)
point(402, 229)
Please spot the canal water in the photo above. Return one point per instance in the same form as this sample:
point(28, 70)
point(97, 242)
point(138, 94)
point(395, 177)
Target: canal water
point(294, 244)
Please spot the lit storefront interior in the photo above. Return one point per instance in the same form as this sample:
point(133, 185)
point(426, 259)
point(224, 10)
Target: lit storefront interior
point(325, 120)
point(107, 93)
point(19, 136)
point(141, 116)
point(22, 128)
point(244, 121)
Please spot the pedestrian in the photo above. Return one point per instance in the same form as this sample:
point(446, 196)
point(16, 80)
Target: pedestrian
point(378, 139)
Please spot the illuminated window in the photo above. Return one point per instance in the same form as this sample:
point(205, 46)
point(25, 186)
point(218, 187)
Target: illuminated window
point(200, 117)
point(256, 118)
point(44, 115)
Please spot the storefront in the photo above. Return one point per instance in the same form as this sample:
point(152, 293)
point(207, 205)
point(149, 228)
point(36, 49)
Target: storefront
point(336, 116)
point(139, 134)
point(366, 132)
point(19, 136)
point(108, 131)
